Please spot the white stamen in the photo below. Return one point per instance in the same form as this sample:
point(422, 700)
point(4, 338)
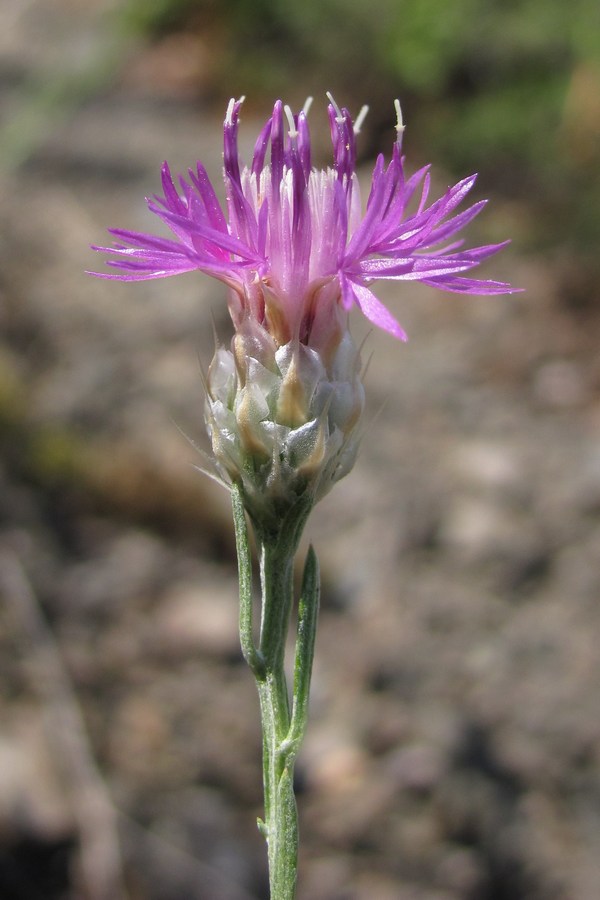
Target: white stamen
point(360, 119)
point(339, 117)
point(400, 126)
point(230, 108)
point(290, 117)
point(307, 105)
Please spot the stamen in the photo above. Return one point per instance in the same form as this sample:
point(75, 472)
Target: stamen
point(229, 113)
point(400, 126)
point(232, 104)
point(360, 119)
point(307, 105)
point(293, 132)
point(338, 117)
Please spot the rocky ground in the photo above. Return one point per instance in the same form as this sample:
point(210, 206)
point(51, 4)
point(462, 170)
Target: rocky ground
point(454, 745)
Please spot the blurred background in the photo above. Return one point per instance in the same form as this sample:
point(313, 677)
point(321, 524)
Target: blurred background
point(454, 745)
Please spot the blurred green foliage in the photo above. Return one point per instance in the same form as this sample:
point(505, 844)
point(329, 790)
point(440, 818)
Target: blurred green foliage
point(507, 87)
point(511, 87)
point(156, 16)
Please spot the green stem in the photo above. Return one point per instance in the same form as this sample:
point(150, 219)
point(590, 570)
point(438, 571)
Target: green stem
point(283, 728)
point(308, 611)
point(251, 654)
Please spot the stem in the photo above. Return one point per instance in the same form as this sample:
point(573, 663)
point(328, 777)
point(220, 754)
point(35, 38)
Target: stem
point(283, 728)
point(308, 611)
point(251, 654)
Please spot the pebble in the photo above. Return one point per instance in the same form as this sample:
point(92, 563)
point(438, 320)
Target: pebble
point(32, 796)
point(560, 384)
point(416, 767)
point(199, 617)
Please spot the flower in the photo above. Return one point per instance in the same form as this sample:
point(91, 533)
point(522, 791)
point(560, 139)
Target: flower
point(294, 238)
point(283, 405)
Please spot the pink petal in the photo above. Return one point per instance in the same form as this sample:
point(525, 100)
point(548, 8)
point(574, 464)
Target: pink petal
point(376, 312)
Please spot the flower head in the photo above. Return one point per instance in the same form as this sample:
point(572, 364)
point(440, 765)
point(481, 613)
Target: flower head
point(294, 239)
point(297, 252)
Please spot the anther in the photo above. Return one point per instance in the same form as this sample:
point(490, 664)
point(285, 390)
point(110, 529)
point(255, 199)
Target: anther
point(229, 113)
point(307, 105)
point(232, 104)
point(400, 126)
point(360, 119)
point(338, 117)
point(293, 132)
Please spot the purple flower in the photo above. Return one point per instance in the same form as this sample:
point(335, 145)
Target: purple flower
point(294, 239)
